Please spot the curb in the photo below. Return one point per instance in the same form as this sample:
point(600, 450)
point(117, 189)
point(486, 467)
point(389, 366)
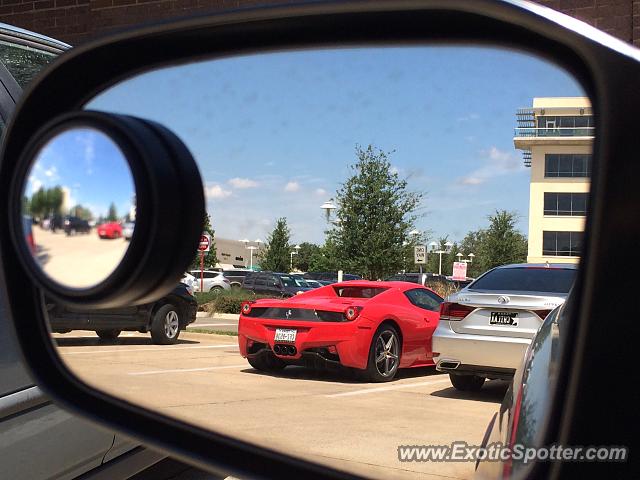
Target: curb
point(222, 316)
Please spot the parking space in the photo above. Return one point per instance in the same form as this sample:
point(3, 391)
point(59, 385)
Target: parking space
point(330, 416)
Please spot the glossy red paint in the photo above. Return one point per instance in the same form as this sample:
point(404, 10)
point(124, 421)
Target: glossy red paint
point(110, 230)
point(330, 328)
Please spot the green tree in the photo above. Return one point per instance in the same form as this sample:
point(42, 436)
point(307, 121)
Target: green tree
point(433, 259)
point(471, 244)
point(501, 243)
point(81, 212)
point(210, 257)
point(376, 213)
point(302, 260)
point(275, 255)
point(325, 259)
point(112, 216)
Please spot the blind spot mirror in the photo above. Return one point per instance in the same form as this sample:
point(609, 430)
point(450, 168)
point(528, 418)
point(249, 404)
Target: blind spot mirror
point(78, 207)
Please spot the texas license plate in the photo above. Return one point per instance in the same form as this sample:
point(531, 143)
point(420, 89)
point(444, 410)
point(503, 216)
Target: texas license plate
point(504, 318)
point(285, 335)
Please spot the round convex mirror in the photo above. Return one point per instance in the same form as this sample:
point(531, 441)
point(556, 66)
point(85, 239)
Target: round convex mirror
point(79, 207)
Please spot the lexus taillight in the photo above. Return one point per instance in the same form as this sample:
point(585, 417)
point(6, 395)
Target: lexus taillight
point(351, 313)
point(454, 312)
point(245, 308)
point(542, 313)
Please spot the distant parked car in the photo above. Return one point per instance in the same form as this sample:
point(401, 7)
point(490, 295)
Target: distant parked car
point(274, 283)
point(486, 327)
point(236, 277)
point(213, 281)
point(110, 230)
point(73, 225)
point(327, 278)
point(189, 280)
point(163, 319)
point(27, 226)
point(127, 230)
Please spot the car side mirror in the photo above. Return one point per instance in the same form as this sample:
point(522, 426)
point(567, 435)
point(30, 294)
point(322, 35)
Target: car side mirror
point(171, 195)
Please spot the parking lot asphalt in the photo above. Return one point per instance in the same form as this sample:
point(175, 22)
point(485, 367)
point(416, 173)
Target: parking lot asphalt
point(77, 260)
point(330, 417)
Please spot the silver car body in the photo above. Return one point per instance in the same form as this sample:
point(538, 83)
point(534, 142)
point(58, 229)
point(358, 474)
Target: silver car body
point(127, 230)
point(475, 344)
point(212, 280)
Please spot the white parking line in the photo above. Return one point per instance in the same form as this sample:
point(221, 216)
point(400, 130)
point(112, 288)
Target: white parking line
point(364, 391)
point(180, 370)
point(157, 349)
point(212, 325)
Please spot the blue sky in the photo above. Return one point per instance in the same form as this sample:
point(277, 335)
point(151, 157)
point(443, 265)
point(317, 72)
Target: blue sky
point(273, 135)
point(90, 166)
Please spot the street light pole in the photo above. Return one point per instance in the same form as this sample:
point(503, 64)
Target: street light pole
point(293, 252)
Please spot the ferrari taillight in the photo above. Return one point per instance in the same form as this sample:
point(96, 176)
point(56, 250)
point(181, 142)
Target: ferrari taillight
point(351, 313)
point(245, 308)
point(454, 312)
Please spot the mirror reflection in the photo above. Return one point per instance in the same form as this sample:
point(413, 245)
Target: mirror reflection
point(79, 207)
point(353, 197)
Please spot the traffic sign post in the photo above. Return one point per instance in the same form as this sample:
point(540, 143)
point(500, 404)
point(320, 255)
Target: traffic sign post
point(203, 247)
point(420, 255)
point(459, 270)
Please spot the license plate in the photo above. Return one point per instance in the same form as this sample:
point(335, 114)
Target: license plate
point(285, 335)
point(504, 318)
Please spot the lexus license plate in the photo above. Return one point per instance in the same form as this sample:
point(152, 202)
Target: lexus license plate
point(504, 318)
point(285, 335)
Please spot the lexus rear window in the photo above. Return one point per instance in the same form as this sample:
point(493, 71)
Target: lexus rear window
point(358, 292)
point(552, 280)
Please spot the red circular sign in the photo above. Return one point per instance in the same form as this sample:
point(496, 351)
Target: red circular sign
point(205, 243)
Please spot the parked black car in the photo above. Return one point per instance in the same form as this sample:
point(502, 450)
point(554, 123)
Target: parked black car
point(273, 283)
point(236, 277)
point(73, 225)
point(163, 318)
point(327, 278)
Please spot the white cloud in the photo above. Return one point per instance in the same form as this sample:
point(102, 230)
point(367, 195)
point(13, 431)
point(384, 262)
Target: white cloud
point(216, 191)
point(51, 172)
point(321, 192)
point(238, 182)
point(468, 118)
point(496, 163)
point(292, 187)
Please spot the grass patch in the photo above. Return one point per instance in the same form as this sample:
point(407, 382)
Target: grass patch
point(212, 332)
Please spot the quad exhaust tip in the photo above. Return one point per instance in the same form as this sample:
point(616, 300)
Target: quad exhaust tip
point(448, 365)
point(285, 350)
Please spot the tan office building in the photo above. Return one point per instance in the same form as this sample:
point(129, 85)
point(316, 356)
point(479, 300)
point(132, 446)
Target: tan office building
point(556, 138)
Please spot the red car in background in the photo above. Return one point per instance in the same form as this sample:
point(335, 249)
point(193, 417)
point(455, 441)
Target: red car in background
point(376, 327)
point(110, 230)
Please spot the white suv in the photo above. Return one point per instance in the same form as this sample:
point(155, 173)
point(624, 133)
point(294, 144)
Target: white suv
point(486, 327)
point(213, 281)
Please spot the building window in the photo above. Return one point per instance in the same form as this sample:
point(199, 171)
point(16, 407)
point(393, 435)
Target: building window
point(565, 126)
point(567, 165)
point(568, 204)
point(561, 244)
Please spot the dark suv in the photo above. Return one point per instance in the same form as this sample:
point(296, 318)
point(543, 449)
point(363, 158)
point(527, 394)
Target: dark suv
point(163, 318)
point(327, 278)
point(274, 284)
point(74, 225)
point(236, 277)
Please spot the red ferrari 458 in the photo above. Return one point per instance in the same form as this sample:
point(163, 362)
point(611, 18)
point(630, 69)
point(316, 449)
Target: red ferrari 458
point(376, 327)
point(110, 230)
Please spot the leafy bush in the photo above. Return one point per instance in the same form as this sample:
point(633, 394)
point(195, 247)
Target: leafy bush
point(226, 302)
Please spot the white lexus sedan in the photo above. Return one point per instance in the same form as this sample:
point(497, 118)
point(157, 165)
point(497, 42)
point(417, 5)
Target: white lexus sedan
point(486, 327)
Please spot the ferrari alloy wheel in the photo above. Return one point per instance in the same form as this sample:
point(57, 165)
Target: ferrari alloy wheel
point(384, 355)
